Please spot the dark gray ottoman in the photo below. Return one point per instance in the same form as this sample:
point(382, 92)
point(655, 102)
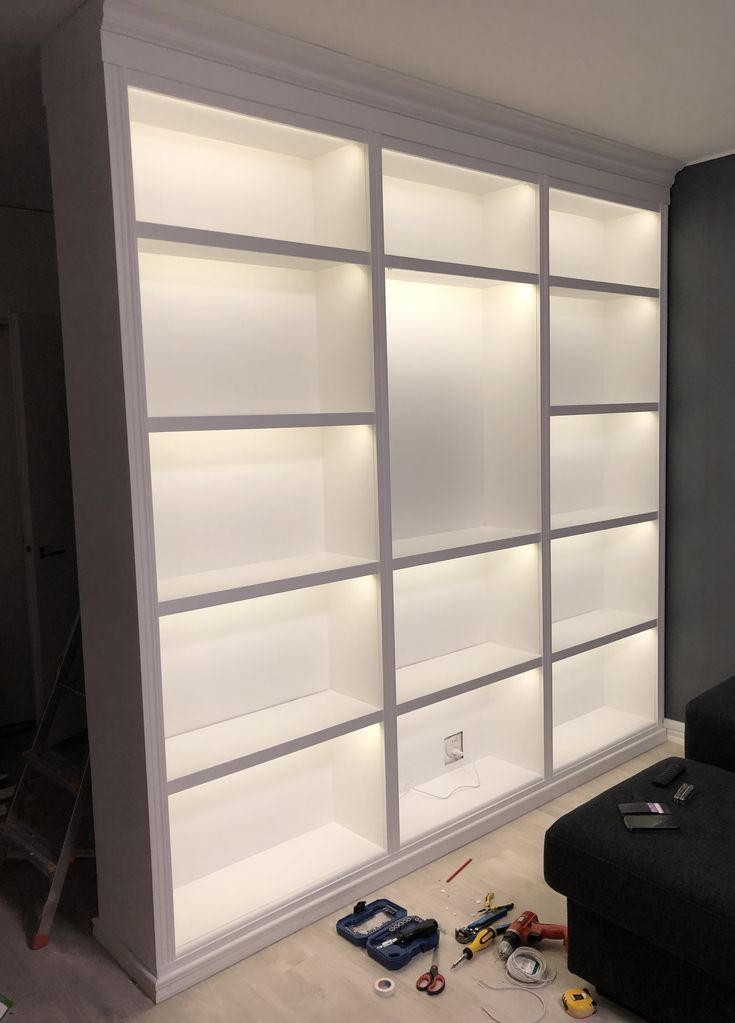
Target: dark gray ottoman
point(652, 914)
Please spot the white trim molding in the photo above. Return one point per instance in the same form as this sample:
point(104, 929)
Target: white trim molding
point(230, 41)
point(674, 731)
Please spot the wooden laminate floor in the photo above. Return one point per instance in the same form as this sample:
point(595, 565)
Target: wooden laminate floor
point(313, 976)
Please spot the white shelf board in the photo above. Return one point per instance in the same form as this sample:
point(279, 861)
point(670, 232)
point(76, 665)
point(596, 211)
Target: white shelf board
point(202, 244)
point(421, 814)
point(275, 876)
point(442, 673)
point(593, 732)
point(277, 421)
point(602, 409)
point(601, 513)
point(605, 621)
point(225, 741)
point(446, 272)
point(457, 538)
point(599, 289)
point(225, 580)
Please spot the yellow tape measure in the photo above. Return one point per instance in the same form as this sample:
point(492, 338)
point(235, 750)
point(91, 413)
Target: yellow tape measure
point(578, 1003)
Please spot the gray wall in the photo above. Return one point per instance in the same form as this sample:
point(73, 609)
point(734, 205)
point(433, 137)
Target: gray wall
point(700, 589)
point(28, 284)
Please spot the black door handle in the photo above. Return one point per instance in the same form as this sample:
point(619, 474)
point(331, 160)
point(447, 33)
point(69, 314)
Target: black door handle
point(44, 552)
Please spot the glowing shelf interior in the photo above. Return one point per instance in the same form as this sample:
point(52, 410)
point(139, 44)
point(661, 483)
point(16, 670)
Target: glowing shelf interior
point(241, 506)
point(593, 239)
point(593, 732)
point(250, 841)
point(462, 381)
point(604, 348)
point(603, 466)
point(214, 169)
point(602, 582)
point(279, 874)
point(455, 214)
point(242, 333)
point(582, 628)
point(604, 696)
point(502, 742)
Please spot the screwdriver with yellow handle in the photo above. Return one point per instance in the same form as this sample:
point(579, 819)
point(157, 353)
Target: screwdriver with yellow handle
point(482, 940)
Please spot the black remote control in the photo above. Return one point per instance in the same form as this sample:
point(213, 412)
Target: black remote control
point(672, 770)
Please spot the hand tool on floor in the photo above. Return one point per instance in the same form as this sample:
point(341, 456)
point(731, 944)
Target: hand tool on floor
point(527, 930)
point(482, 940)
point(578, 1003)
point(464, 935)
point(412, 931)
point(433, 983)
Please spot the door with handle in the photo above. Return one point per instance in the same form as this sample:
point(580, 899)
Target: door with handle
point(48, 515)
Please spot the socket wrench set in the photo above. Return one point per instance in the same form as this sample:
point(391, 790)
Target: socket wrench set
point(391, 936)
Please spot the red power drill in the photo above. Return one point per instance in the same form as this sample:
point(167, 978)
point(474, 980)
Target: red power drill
point(526, 930)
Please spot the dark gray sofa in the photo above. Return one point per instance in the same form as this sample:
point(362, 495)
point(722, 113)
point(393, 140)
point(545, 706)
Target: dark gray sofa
point(652, 914)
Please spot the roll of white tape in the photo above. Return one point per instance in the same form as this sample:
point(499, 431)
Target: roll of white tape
point(384, 987)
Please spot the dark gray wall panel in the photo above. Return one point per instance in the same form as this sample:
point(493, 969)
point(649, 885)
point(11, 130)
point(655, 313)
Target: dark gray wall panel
point(700, 567)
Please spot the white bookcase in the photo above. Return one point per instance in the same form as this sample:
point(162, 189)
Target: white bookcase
point(366, 428)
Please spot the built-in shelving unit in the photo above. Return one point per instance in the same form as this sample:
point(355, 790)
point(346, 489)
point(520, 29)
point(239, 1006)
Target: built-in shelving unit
point(367, 418)
point(603, 583)
point(226, 867)
point(465, 620)
point(501, 727)
point(603, 696)
point(604, 466)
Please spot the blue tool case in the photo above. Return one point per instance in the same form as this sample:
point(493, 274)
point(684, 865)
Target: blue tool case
point(356, 926)
point(395, 956)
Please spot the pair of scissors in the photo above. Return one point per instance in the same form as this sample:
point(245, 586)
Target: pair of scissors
point(432, 982)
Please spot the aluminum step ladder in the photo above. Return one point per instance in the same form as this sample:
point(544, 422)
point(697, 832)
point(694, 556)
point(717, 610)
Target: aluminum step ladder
point(53, 794)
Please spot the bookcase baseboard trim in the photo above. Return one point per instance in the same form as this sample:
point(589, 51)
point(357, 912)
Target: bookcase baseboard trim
point(199, 964)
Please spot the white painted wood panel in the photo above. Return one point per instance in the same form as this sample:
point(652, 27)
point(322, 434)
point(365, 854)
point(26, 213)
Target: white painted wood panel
point(457, 620)
point(203, 167)
point(604, 696)
point(264, 828)
point(603, 581)
point(226, 337)
point(604, 348)
point(603, 241)
point(603, 466)
point(501, 728)
point(225, 499)
point(241, 677)
point(463, 407)
point(456, 214)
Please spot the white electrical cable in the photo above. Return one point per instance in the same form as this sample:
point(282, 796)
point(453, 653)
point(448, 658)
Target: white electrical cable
point(514, 1017)
point(526, 968)
point(434, 795)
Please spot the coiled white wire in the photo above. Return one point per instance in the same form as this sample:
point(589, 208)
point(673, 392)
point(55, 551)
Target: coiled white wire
point(520, 978)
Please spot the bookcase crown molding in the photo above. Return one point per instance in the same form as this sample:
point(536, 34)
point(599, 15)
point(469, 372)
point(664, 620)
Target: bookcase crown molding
point(209, 35)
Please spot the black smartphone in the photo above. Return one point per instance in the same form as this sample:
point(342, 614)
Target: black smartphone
point(651, 822)
point(627, 809)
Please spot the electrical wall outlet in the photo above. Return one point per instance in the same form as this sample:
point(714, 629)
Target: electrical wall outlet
point(453, 748)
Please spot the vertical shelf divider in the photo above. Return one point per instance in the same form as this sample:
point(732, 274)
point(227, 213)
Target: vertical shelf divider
point(121, 169)
point(545, 471)
point(663, 353)
point(385, 528)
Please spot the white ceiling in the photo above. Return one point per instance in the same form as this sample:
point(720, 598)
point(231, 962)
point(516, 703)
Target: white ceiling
point(658, 74)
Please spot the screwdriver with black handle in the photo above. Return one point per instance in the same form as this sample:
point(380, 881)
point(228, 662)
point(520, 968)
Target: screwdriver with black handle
point(482, 940)
point(412, 931)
